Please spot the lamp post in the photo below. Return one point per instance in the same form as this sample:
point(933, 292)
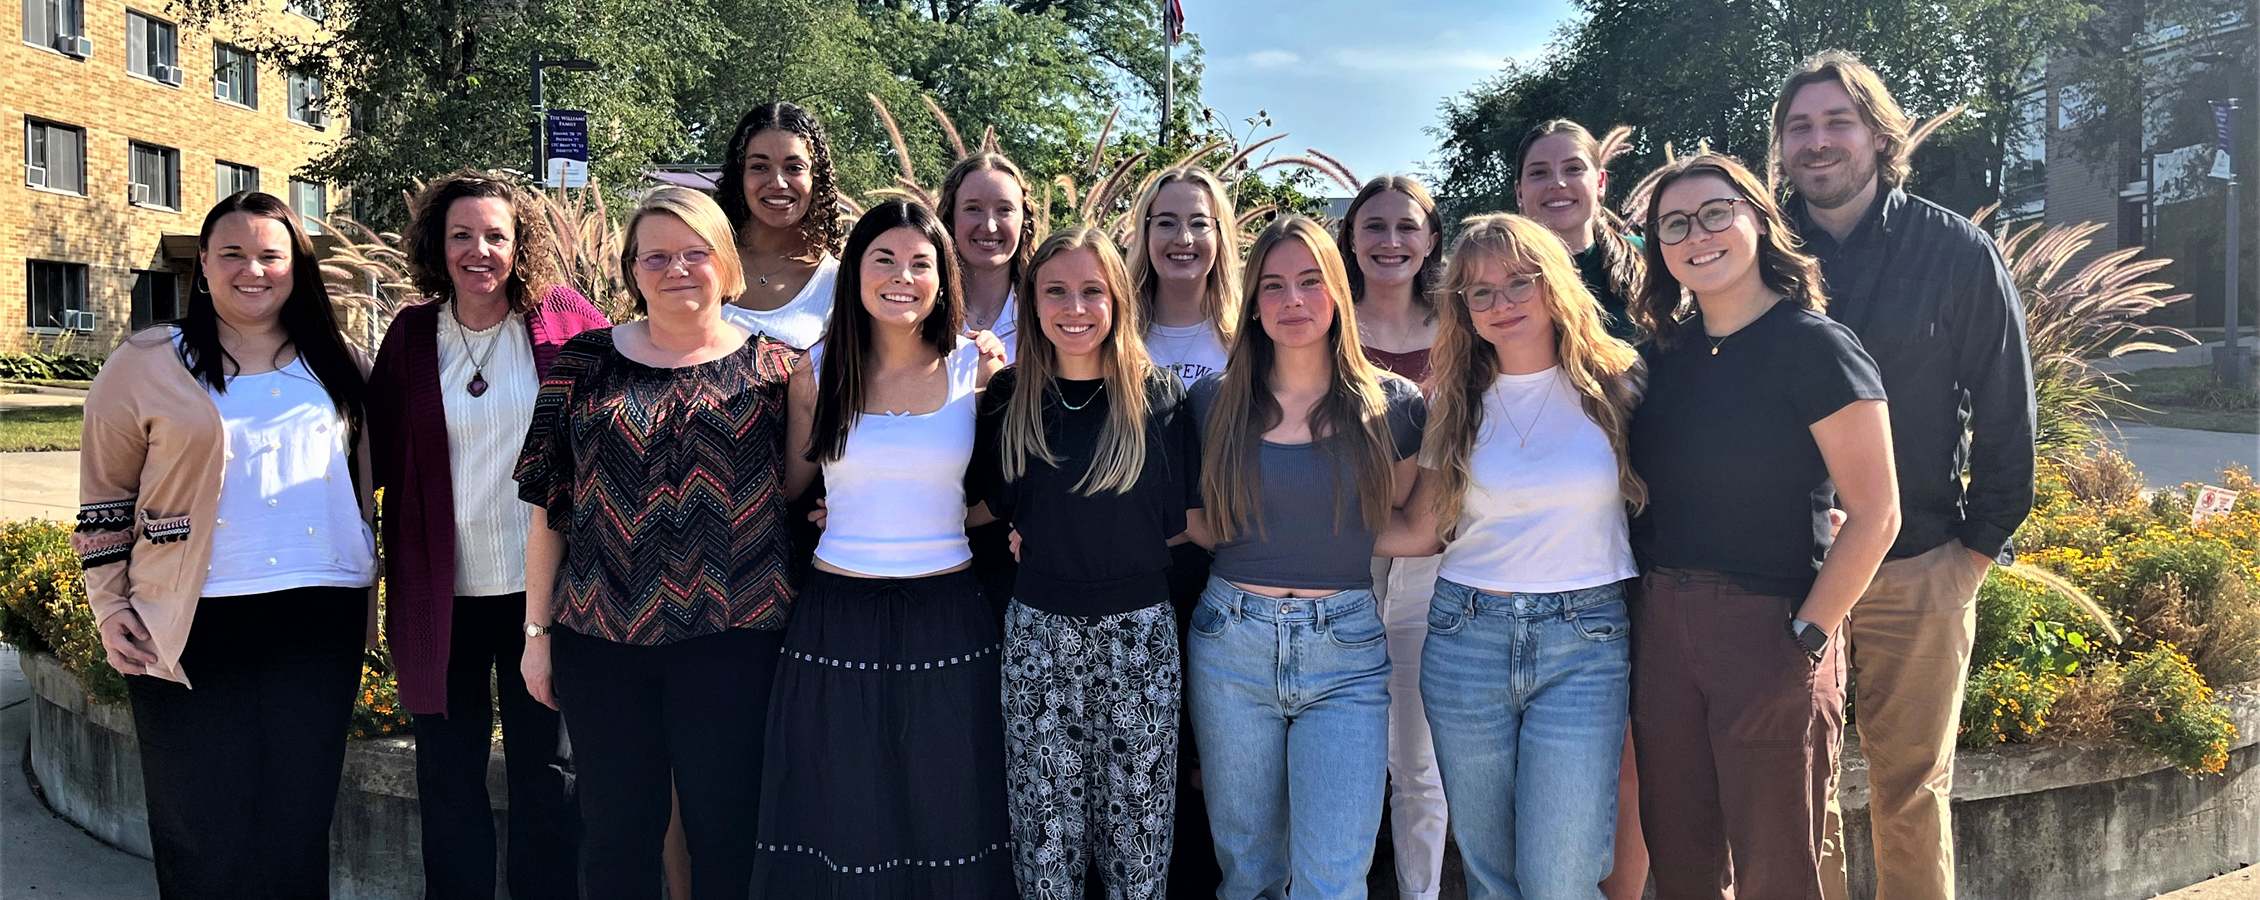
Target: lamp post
point(541, 109)
point(2232, 368)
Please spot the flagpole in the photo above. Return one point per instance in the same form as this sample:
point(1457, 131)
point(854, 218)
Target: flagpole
point(1168, 73)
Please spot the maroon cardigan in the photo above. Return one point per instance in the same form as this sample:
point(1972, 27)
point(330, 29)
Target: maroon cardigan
point(408, 445)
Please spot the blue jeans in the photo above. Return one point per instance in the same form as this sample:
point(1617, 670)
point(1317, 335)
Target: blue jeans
point(1290, 707)
point(1526, 698)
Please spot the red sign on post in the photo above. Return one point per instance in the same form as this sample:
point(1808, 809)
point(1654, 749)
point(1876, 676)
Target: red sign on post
point(2211, 501)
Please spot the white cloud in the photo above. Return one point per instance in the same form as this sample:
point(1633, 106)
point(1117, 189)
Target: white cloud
point(1414, 59)
point(1270, 59)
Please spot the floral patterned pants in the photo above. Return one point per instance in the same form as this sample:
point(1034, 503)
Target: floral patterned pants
point(1091, 722)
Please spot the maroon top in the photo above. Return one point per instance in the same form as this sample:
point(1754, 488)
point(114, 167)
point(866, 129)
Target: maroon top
point(1413, 365)
point(408, 446)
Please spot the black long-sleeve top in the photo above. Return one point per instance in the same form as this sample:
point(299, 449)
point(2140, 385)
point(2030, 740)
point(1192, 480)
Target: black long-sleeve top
point(1086, 555)
point(1933, 304)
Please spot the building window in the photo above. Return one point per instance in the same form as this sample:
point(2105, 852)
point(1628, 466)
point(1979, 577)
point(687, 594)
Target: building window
point(58, 25)
point(306, 101)
point(54, 157)
point(150, 45)
point(231, 178)
point(235, 75)
point(156, 298)
point(312, 9)
point(57, 299)
point(155, 176)
point(311, 203)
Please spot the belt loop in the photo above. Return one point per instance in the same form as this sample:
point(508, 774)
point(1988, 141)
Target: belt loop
point(1318, 613)
point(1468, 604)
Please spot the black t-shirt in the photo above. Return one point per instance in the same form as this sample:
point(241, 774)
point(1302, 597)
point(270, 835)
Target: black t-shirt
point(1736, 483)
point(1091, 555)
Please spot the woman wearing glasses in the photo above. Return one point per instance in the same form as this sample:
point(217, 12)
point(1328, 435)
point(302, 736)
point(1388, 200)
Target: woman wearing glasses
point(1759, 411)
point(656, 585)
point(1524, 487)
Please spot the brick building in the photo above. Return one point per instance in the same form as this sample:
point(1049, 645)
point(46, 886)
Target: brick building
point(131, 124)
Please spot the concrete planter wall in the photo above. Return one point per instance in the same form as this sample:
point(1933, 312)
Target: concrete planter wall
point(88, 764)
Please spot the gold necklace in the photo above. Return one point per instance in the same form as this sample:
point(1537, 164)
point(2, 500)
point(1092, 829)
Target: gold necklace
point(1523, 436)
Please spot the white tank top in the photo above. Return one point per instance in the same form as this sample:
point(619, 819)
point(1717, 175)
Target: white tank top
point(800, 323)
point(895, 499)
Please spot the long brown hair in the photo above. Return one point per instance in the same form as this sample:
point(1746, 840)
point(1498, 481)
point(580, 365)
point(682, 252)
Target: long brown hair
point(1621, 260)
point(1220, 302)
point(991, 161)
point(1785, 271)
point(1346, 236)
point(1604, 371)
point(1351, 422)
point(308, 318)
point(533, 260)
point(1121, 453)
point(1870, 97)
point(847, 340)
point(820, 228)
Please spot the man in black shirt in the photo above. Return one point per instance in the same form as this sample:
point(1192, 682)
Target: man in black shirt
point(1930, 299)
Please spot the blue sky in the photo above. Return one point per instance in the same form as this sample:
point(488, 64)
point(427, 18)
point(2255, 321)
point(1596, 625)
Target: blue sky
point(1359, 79)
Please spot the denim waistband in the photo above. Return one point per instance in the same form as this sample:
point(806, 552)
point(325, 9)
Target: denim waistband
point(1453, 594)
point(1286, 609)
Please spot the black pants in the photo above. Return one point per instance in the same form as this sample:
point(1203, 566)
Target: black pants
point(1193, 870)
point(697, 708)
point(451, 768)
point(241, 772)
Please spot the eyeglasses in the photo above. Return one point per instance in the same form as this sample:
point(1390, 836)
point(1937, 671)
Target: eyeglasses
point(1196, 227)
point(1518, 289)
point(661, 262)
point(1714, 215)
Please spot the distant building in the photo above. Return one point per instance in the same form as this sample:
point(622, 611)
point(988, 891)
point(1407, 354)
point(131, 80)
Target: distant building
point(131, 125)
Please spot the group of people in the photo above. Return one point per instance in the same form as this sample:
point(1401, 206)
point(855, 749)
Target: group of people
point(929, 556)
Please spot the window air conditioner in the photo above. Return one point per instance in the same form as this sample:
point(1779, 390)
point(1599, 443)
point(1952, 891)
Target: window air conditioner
point(74, 45)
point(166, 74)
point(140, 194)
point(36, 176)
point(78, 320)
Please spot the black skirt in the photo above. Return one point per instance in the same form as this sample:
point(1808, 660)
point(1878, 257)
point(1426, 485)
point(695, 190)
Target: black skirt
point(884, 770)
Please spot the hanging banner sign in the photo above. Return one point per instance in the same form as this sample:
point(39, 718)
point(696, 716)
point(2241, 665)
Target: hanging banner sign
point(567, 133)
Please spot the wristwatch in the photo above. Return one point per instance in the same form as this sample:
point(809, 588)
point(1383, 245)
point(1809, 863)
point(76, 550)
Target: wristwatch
point(535, 631)
point(1808, 636)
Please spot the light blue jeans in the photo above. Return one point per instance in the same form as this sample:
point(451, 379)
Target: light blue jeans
point(1526, 698)
point(1290, 709)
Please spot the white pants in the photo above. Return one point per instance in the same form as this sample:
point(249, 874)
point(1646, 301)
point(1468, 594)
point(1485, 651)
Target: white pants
point(1416, 789)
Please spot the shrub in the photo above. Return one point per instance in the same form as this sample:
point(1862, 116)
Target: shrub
point(2007, 703)
point(2171, 711)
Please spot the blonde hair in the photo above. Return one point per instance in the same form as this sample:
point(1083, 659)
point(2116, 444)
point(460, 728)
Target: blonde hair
point(1221, 298)
point(1605, 372)
point(1121, 453)
point(1352, 419)
point(702, 216)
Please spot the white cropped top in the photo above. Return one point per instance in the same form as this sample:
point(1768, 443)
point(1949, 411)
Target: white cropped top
point(895, 499)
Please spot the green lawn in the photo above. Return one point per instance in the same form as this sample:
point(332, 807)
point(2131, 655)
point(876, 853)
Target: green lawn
point(2186, 397)
point(40, 428)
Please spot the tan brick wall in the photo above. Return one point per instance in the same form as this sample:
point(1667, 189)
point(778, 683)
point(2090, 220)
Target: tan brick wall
point(112, 237)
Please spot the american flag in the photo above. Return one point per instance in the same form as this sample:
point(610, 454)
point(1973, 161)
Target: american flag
point(1173, 20)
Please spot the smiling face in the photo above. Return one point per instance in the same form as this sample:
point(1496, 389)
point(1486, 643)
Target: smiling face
point(987, 219)
point(247, 264)
point(482, 241)
point(1707, 261)
point(1827, 149)
point(1559, 185)
point(1392, 239)
point(1074, 303)
point(1292, 300)
point(1519, 315)
point(901, 277)
point(1181, 232)
point(675, 269)
point(779, 177)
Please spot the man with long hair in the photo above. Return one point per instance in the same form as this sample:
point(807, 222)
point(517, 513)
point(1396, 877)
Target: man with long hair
point(1932, 302)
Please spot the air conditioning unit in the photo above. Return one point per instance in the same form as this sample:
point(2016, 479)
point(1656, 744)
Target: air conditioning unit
point(219, 88)
point(74, 45)
point(167, 74)
point(78, 320)
point(35, 176)
point(140, 193)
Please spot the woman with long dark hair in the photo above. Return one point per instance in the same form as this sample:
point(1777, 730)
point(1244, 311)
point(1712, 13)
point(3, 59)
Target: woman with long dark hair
point(224, 526)
point(884, 775)
point(783, 203)
point(450, 401)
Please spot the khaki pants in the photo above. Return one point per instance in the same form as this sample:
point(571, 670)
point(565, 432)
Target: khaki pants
point(1909, 638)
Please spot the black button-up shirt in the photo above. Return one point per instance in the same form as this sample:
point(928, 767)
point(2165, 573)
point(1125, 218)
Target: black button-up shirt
point(1933, 303)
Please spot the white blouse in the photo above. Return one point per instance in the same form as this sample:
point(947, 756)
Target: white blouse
point(288, 517)
point(484, 434)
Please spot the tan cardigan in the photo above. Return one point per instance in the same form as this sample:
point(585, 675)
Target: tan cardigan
point(151, 460)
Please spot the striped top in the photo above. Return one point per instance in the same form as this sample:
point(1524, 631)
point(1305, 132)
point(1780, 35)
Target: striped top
point(669, 487)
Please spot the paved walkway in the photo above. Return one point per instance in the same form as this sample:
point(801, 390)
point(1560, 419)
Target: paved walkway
point(42, 856)
point(2168, 457)
point(42, 485)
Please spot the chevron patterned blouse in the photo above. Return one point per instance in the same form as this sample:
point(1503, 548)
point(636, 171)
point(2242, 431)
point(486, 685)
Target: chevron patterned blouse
point(668, 485)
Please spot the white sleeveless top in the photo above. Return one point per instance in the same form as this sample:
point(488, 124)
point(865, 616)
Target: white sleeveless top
point(800, 323)
point(895, 499)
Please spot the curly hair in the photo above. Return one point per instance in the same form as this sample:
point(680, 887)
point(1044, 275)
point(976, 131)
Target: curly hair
point(1660, 307)
point(533, 263)
point(820, 228)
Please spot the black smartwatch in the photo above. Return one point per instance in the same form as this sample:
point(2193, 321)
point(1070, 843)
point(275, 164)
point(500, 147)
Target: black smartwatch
point(1808, 636)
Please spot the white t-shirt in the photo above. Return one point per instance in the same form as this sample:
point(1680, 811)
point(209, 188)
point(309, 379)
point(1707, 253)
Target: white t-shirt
point(1191, 351)
point(1007, 328)
point(799, 323)
point(484, 434)
point(1546, 516)
point(288, 517)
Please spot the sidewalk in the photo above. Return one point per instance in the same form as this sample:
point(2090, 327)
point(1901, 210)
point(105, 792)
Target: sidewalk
point(2168, 457)
point(41, 855)
point(42, 485)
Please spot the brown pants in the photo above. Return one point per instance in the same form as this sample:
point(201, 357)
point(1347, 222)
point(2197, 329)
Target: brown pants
point(1736, 732)
point(1910, 643)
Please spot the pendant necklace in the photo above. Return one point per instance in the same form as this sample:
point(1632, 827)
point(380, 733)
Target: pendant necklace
point(1523, 436)
point(1086, 401)
point(477, 386)
point(1716, 341)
